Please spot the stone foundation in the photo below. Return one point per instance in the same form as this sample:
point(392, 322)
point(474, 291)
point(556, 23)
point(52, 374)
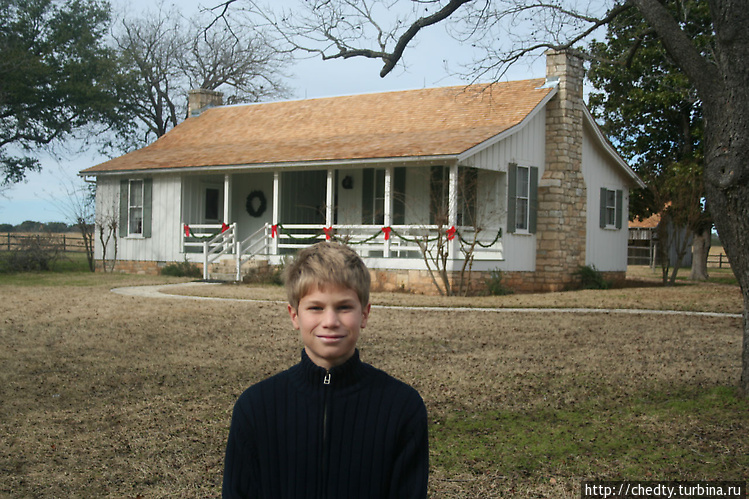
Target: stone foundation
point(134, 267)
point(419, 281)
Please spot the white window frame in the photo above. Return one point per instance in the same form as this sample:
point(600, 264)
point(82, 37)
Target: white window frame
point(611, 214)
point(522, 198)
point(204, 206)
point(132, 208)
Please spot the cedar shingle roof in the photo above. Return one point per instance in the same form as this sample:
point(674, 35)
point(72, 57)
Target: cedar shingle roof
point(406, 124)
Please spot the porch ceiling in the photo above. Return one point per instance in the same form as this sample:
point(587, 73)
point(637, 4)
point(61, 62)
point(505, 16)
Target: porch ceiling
point(408, 124)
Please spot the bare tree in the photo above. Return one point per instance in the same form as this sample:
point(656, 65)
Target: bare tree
point(168, 55)
point(333, 27)
point(79, 207)
point(442, 245)
point(107, 221)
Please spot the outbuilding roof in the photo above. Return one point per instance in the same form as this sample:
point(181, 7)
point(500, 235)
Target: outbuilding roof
point(407, 124)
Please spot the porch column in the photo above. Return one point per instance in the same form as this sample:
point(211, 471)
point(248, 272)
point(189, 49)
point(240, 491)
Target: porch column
point(227, 199)
point(276, 209)
point(452, 208)
point(388, 206)
point(452, 197)
point(329, 191)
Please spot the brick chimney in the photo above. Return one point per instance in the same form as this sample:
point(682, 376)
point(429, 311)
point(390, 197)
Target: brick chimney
point(200, 99)
point(562, 198)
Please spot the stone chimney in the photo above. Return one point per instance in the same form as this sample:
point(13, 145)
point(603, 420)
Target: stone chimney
point(562, 198)
point(200, 99)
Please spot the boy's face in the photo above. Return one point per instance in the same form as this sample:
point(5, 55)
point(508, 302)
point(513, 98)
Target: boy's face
point(329, 319)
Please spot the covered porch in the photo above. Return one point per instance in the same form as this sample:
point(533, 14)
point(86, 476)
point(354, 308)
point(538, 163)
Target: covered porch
point(390, 214)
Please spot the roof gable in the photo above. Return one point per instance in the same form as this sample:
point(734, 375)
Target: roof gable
point(408, 124)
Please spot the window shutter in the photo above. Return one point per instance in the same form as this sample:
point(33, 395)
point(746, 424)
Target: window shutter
point(124, 205)
point(399, 195)
point(511, 188)
point(532, 199)
point(602, 222)
point(367, 199)
point(619, 204)
point(147, 190)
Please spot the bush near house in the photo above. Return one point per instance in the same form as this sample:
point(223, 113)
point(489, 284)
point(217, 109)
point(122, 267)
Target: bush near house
point(182, 269)
point(591, 278)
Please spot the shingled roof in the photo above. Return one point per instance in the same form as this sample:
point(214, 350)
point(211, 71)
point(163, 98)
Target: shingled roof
point(407, 124)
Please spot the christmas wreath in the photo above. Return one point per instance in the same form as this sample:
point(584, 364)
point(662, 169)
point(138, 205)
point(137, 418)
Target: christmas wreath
point(261, 203)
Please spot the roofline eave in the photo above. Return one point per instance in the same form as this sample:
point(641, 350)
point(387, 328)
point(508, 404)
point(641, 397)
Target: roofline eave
point(442, 159)
point(510, 131)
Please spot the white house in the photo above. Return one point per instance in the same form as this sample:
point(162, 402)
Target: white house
point(521, 167)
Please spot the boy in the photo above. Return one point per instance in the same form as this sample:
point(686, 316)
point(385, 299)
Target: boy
point(330, 426)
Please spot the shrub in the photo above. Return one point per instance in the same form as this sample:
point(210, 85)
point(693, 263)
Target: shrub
point(182, 269)
point(590, 278)
point(33, 253)
point(494, 284)
point(264, 274)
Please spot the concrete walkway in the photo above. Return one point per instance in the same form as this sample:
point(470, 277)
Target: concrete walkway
point(163, 291)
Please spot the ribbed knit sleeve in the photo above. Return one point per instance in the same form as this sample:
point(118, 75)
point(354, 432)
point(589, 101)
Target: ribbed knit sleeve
point(411, 465)
point(352, 432)
point(240, 463)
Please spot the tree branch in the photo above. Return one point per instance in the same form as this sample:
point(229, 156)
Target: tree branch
point(392, 59)
point(679, 46)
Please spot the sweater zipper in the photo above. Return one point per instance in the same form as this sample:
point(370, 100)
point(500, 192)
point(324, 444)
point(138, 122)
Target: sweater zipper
point(326, 397)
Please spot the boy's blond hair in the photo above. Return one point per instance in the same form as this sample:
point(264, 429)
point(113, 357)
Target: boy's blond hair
point(326, 263)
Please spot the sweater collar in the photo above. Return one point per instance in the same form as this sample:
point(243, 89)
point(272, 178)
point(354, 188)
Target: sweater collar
point(347, 374)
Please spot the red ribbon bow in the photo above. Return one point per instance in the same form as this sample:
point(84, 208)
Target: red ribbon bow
point(387, 230)
point(187, 230)
point(451, 233)
point(224, 227)
point(328, 232)
point(274, 230)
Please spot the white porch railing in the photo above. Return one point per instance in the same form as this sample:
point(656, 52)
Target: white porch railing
point(213, 240)
point(400, 241)
point(255, 244)
point(397, 241)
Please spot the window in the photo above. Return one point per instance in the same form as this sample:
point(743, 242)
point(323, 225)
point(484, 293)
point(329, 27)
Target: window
point(212, 201)
point(373, 196)
point(522, 194)
point(611, 208)
point(440, 191)
point(522, 198)
point(135, 207)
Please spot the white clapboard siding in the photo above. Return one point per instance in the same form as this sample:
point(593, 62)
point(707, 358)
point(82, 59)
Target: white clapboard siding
point(606, 249)
point(165, 240)
point(526, 147)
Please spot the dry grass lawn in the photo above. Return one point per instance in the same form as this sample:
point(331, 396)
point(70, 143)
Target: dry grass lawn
point(104, 395)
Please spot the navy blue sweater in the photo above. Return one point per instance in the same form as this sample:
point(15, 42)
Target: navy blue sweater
point(351, 432)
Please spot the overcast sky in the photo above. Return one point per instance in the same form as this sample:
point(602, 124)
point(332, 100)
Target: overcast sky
point(312, 78)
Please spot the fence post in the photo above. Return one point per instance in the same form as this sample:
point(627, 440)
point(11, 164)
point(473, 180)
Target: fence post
point(238, 255)
point(205, 260)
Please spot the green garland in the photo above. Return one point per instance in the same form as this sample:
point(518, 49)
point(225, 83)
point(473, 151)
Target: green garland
point(188, 229)
point(415, 240)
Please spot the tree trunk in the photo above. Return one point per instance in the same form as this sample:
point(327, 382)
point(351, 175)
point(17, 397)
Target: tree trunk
point(721, 82)
point(700, 252)
point(680, 238)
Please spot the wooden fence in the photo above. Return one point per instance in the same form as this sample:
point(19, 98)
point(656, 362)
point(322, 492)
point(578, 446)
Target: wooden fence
point(718, 261)
point(64, 242)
